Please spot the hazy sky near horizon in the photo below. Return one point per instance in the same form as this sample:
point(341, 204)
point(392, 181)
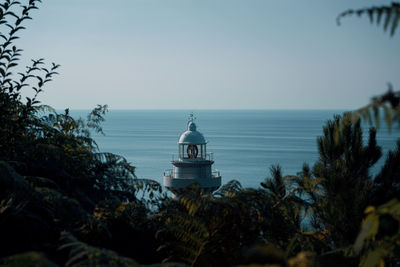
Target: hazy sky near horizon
point(211, 54)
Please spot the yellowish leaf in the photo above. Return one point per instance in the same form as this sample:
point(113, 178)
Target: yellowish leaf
point(369, 209)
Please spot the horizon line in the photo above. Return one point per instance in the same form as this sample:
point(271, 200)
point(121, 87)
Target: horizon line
point(250, 109)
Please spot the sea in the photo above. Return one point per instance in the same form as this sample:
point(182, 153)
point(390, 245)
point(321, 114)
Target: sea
point(244, 143)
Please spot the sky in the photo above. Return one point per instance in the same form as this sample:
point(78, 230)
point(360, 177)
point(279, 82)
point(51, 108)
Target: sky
point(211, 54)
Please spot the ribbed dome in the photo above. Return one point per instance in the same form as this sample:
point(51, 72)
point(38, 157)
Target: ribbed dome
point(192, 136)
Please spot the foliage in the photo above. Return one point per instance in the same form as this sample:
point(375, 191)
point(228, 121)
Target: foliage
point(229, 189)
point(344, 180)
point(27, 259)
point(214, 230)
point(193, 236)
point(63, 202)
point(379, 239)
point(390, 15)
point(52, 175)
point(81, 254)
point(388, 103)
point(387, 182)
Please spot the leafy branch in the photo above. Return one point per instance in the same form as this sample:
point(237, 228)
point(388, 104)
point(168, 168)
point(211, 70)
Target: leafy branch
point(379, 239)
point(388, 103)
point(9, 56)
point(389, 14)
point(82, 254)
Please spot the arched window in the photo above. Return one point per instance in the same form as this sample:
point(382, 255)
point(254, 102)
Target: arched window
point(192, 151)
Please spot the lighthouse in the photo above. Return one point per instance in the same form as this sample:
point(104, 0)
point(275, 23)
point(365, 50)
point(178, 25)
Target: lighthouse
point(193, 164)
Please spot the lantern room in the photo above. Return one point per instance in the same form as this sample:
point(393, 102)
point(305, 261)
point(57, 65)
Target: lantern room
point(192, 144)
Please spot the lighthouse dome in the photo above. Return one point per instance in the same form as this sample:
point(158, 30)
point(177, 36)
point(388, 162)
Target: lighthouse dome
point(192, 136)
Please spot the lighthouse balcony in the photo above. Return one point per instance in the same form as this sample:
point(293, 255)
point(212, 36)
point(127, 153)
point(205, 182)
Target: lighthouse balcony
point(170, 180)
point(206, 156)
point(173, 174)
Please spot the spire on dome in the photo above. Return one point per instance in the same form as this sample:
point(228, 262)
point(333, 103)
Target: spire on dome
point(191, 125)
point(191, 117)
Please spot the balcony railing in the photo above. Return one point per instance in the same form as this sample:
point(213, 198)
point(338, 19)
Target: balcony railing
point(171, 174)
point(208, 156)
point(215, 174)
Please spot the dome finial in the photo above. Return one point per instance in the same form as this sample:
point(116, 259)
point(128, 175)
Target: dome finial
point(191, 124)
point(191, 117)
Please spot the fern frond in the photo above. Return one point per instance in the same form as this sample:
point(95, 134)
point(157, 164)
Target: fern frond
point(186, 236)
point(390, 15)
point(387, 105)
point(229, 189)
point(82, 254)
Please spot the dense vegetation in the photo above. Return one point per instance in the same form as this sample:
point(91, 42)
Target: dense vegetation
point(63, 202)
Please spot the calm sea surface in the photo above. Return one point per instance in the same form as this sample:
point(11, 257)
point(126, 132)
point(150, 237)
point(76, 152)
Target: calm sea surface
point(245, 143)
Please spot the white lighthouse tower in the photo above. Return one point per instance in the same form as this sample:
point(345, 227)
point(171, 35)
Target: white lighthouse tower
point(193, 164)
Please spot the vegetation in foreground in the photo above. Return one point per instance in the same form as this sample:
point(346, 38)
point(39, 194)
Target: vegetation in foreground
point(62, 202)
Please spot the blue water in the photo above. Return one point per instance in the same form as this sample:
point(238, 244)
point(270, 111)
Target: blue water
point(245, 143)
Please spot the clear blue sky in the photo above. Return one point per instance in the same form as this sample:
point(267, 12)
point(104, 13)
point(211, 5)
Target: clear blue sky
point(211, 54)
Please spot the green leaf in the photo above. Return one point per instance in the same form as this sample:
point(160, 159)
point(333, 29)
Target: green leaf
point(374, 258)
